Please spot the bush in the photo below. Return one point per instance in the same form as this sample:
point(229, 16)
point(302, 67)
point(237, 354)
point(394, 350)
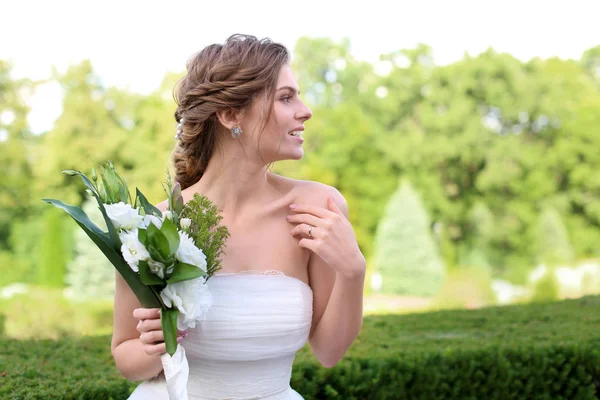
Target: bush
point(45, 313)
point(547, 288)
point(466, 287)
point(535, 351)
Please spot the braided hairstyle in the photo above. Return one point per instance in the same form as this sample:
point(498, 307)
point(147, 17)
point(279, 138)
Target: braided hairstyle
point(220, 77)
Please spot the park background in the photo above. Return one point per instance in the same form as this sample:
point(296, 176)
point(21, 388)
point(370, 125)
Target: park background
point(465, 138)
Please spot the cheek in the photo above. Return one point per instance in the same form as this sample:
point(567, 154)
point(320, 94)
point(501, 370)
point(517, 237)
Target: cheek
point(277, 125)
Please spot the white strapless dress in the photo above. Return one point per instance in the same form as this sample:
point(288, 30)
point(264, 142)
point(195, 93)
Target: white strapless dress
point(246, 346)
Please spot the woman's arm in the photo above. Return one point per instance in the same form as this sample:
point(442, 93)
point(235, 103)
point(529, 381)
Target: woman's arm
point(337, 312)
point(135, 358)
point(128, 351)
point(336, 271)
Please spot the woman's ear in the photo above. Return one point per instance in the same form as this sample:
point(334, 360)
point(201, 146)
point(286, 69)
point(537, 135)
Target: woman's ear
point(228, 118)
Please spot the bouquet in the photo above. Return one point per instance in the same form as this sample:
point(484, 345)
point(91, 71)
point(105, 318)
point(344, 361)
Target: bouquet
point(165, 258)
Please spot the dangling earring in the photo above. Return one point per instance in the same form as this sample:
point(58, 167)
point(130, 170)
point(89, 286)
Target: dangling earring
point(236, 131)
point(180, 129)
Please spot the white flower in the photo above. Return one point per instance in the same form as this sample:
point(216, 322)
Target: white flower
point(168, 214)
point(185, 223)
point(150, 219)
point(157, 268)
point(191, 297)
point(189, 253)
point(123, 216)
point(132, 249)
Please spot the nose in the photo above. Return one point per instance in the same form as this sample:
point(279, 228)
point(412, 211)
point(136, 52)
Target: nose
point(304, 113)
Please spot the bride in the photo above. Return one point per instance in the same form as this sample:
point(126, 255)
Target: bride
point(292, 272)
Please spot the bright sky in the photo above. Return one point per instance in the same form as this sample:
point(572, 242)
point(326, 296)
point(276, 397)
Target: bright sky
point(132, 43)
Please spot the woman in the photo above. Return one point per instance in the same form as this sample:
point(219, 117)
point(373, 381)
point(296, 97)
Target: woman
point(292, 271)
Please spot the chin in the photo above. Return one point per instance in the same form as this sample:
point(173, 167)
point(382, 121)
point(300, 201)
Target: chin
point(291, 156)
point(297, 155)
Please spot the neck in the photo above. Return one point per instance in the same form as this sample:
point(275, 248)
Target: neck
point(236, 185)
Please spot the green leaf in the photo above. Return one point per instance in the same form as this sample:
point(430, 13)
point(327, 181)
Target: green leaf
point(176, 190)
point(168, 321)
point(179, 204)
point(95, 192)
point(144, 294)
point(183, 272)
point(124, 195)
point(110, 185)
point(86, 181)
point(170, 231)
point(145, 204)
point(158, 241)
point(71, 172)
point(155, 254)
point(148, 277)
point(143, 236)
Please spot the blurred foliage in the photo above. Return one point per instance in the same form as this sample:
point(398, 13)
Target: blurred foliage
point(40, 312)
point(537, 351)
point(553, 246)
point(467, 287)
point(90, 275)
point(54, 249)
point(546, 288)
point(405, 251)
point(489, 142)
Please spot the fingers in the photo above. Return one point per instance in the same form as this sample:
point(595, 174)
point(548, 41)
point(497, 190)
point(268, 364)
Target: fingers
point(148, 325)
point(314, 210)
point(305, 219)
point(146, 313)
point(152, 337)
point(155, 349)
point(302, 230)
point(154, 342)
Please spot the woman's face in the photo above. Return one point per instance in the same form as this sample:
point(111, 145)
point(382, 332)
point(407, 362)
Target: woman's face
point(283, 134)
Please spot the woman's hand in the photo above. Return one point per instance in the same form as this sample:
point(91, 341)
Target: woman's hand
point(150, 329)
point(329, 234)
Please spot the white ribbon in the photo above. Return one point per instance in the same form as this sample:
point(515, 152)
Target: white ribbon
point(176, 371)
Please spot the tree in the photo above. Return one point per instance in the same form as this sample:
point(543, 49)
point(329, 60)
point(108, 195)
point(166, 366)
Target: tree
point(475, 252)
point(54, 250)
point(495, 130)
point(88, 132)
point(405, 252)
point(16, 144)
point(590, 61)
point(90, 274)
point(552, 245)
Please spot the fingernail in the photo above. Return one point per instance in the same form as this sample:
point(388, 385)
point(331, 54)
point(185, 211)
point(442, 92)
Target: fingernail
point(292, 206)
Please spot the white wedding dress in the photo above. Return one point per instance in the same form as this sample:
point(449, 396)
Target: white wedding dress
point(246, 346)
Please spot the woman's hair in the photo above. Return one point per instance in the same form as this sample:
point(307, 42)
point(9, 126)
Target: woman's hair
point(220, 77)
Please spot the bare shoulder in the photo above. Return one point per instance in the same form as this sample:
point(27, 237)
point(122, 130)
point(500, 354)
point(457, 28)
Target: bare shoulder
point(162, 206)
point(316, 193)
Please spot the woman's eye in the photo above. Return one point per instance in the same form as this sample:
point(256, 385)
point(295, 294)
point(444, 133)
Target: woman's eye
point(287, 99)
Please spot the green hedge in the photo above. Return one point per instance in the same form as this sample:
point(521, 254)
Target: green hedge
point(538, 351)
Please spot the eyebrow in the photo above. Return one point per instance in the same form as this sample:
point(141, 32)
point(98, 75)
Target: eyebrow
point(288, 88)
